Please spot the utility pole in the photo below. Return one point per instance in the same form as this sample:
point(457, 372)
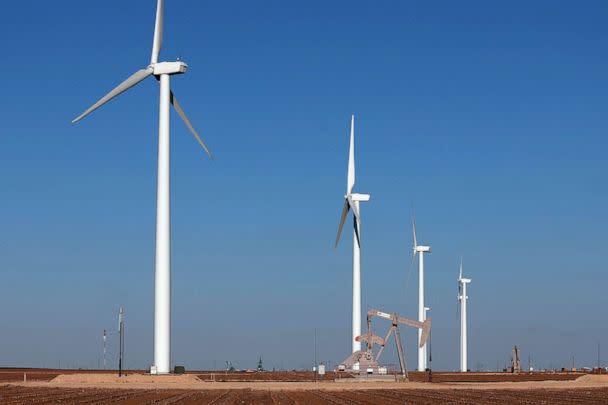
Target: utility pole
point(598, 354)
point(121, 336)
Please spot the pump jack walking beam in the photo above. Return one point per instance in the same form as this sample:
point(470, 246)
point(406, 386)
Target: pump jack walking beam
point(396, 319)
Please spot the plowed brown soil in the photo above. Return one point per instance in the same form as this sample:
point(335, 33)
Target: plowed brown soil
point(29, 395)
point(295, 388)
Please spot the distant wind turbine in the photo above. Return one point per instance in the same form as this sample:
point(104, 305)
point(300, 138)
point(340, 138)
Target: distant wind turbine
point(162, 276)
point(351, 202)
point(462, 298)
point(420, 250)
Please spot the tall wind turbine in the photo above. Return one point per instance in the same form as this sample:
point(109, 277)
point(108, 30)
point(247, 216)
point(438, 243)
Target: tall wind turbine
point(462, 298)
point(162, 276)
point(420, 250)
point(351, 202)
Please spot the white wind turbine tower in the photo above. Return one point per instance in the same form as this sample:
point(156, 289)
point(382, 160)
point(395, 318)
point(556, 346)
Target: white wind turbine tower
point(462, 298)
point(162, 276)
point(351, 202)
point(420, 250)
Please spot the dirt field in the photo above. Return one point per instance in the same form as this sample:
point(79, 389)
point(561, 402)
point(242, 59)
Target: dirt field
point(39, 395)
point(290, 388)
point(16, 374)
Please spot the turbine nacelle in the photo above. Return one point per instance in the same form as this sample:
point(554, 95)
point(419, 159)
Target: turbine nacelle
point(358, 197)
point(422, 249)
point(168, 68)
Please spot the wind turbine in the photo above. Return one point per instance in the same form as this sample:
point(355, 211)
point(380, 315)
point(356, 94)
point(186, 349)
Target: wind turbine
point(162, 276)
point(351, 202)
point(420, 250)
point(462, 298)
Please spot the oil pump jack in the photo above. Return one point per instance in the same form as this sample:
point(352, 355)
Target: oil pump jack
point(366, 359)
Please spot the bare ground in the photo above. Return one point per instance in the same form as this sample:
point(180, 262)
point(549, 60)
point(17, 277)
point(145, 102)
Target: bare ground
point(16, 395)
point(139, 388)
point(192, 382)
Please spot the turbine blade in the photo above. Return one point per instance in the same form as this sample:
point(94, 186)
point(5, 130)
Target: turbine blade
point(158, 32)
point(460, 278)
point(414, 232)
point(412, 261)
point(345, 210)
point(356, 224)
point(122, 87)
point(182, 114)
point(350, 182)
point(353, 206)
point(409, 271)
point(357, 217)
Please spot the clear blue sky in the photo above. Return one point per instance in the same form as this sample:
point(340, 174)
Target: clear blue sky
point(491, 119)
